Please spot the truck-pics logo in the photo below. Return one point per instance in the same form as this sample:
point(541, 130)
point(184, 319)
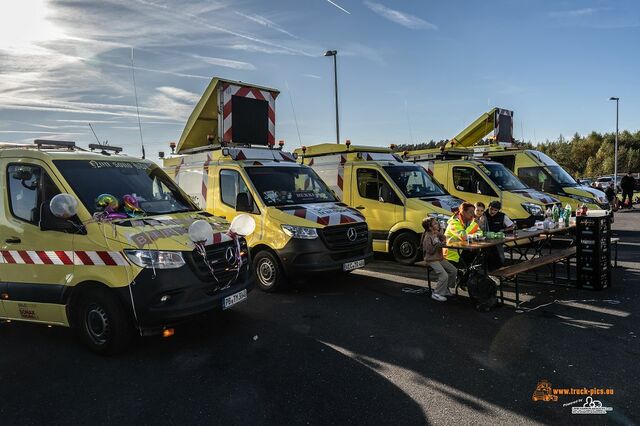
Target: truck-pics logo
point(546, 392)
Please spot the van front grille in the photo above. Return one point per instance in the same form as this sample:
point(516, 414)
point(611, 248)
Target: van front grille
point(345, 236)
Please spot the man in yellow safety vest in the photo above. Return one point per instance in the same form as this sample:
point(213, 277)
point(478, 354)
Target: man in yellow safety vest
point(458, 227)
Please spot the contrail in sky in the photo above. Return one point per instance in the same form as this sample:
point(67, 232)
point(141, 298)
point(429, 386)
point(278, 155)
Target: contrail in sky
point(339, 7)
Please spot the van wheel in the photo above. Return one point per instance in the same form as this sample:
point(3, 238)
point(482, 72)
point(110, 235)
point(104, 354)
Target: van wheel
point(405, 248)
point(103, 322)
point(269, 272)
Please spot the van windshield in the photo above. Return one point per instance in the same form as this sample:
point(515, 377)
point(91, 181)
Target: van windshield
point(502, 177)
point(280, 186)
point(152, 190)
point(414, 181)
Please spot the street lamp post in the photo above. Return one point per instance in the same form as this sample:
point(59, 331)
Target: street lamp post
point(334, 53)
point(615, 146)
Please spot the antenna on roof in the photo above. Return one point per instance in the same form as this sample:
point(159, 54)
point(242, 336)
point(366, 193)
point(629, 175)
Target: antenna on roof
point(295, 119)
point(135, 92)
point(94, 133)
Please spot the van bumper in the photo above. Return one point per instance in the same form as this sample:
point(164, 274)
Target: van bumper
point(189, 296)
point(301, 257)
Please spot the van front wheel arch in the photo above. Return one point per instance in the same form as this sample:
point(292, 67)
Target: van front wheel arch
point(405, 248)
point(102, 321)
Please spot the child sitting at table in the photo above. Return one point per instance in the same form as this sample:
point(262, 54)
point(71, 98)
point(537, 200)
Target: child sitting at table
point(432, 243)
point(481, 220)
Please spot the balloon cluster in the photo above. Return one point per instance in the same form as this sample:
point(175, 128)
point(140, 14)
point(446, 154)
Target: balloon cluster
point(109, 206)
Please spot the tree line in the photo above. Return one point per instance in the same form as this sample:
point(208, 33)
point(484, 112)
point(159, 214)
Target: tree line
point(581, 156)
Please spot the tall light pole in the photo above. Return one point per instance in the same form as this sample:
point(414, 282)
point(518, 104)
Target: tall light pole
point(615, 146)
point(334, 53)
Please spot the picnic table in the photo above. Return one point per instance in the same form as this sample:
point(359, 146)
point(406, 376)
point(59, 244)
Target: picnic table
point(522, 242)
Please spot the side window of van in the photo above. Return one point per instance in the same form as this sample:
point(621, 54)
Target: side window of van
point(372, 185)
point(466, 179)
point(24, 191)
point(231, 184)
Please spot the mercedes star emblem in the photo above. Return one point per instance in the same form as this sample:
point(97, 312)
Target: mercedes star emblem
point(352, 234)
point(230, 255)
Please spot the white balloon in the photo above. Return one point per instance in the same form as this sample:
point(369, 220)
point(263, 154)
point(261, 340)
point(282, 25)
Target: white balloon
point(64, 206)
point(243, 224)
point(201, 231)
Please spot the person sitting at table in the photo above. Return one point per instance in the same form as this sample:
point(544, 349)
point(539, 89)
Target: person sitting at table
point(497, 221)
point(432, 242)
point(481, 220)
point(459, 226)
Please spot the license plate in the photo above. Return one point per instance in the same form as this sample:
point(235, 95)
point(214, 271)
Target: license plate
point(238, 297)
point(350, 266)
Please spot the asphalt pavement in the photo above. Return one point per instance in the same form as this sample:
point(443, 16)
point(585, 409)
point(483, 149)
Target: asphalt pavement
point(357, 349)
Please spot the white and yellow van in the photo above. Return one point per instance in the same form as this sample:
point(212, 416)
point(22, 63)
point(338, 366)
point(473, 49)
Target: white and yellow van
point(539, 171)
point(394, 196)
point(117, 258)
point(482, 180)
point(301, 227)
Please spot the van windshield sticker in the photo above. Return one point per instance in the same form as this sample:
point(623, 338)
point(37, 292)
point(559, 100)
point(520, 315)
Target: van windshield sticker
point(118, 164)
point(305, 195)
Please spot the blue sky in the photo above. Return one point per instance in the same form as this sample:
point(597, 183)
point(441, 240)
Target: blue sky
point(408, 70)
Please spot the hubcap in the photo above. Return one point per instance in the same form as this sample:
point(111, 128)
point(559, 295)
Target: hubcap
point(97, 324)
point(266, 272)
point(406, 249)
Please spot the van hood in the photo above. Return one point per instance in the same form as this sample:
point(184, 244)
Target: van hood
point(317, 214)
point(164, 232)
point(587, 191)
point(536, 195)
point(447, 202)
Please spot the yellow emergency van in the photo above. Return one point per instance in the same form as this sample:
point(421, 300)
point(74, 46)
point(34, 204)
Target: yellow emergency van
point(99, 241)
point(482, 180)
point(226, 160)
point(539, 171)
point(393, 195)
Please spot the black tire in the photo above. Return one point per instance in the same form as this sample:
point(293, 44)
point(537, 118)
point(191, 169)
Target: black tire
point(102, 321)
point(405, 248)
point(269, 273)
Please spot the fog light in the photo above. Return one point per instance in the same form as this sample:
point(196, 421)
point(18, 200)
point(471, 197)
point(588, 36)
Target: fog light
point(168, 332)
point(5, 295)
point(165, 298)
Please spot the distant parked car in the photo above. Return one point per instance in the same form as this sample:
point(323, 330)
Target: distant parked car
point(604, 181)
point(585, 181)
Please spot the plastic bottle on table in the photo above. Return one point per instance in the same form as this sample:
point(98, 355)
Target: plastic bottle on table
point(567, 214)
point(555, 213)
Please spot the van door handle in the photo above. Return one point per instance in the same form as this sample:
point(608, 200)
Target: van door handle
point(360, 207)
point(13, 240)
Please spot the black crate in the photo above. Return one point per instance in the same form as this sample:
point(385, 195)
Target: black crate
point(593, 256)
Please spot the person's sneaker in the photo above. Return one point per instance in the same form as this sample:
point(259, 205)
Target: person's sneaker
point(436, 296)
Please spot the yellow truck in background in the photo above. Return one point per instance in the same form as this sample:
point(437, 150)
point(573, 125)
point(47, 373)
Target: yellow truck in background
point(226, 160)
point(534, 168)
point(393, 195)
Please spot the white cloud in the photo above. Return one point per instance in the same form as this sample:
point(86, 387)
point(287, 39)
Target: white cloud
point(404, 19)
point(317, 77)
point(266, 23)
point(573, 13)
point(179, 94)
point(226, 63)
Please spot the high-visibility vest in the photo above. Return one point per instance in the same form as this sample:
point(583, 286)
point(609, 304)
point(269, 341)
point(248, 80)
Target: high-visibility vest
point(456, 231)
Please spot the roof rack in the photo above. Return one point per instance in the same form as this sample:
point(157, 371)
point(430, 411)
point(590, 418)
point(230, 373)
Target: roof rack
point(105, 148)
point(49, 143)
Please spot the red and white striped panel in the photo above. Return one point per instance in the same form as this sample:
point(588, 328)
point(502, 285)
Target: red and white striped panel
point(177, 172)
point(205, 181)
point(340, 191)
point(231, 90)
point(59, 257)
point(327, 216)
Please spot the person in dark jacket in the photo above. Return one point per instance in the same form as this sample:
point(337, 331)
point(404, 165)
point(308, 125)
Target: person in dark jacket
point(610, 193)
point(627, 184)
point(497, 221)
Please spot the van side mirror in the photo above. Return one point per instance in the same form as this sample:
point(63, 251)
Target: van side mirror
point(243, 204)
point(49, 222)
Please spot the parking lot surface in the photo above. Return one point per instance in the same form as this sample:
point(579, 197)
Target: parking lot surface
point(353, 349)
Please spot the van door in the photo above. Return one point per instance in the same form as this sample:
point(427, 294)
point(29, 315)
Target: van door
point(36, 264)
point(470, 185)
point(376, 199)
point(232, 183)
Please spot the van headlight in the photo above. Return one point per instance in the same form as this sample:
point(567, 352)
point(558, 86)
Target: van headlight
point(155, 258)
point(300, 232)
point(533, 209)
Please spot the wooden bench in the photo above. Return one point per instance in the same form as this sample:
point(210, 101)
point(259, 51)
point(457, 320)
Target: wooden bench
point(511, 272)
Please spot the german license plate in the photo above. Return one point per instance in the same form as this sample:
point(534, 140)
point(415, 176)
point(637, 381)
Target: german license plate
point(350, 266)
point(238, 297)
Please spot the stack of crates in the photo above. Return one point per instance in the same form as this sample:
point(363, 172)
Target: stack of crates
point(593, 238)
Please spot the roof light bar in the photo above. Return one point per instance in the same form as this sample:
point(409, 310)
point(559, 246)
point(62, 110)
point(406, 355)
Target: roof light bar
point(101, 147)
point(54, 143)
